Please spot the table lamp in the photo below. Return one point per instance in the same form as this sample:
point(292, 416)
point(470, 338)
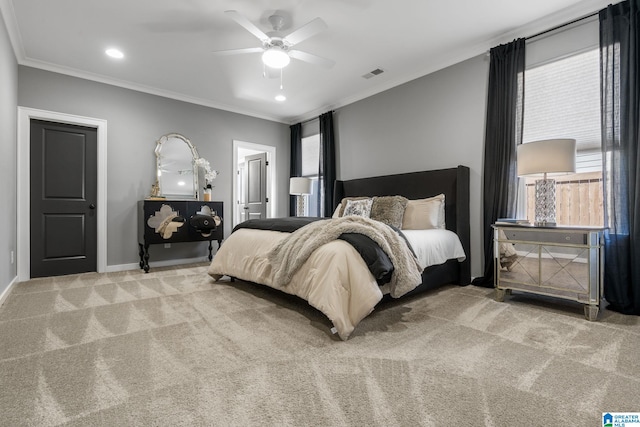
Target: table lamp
point(549, 156)
point(300, 187)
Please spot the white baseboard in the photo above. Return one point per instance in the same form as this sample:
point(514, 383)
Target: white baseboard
point(166, 263)
point(7, 291)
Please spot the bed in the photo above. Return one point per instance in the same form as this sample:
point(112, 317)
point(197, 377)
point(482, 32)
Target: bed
point(330, 273)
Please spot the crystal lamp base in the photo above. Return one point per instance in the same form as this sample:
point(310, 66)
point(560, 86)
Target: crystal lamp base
point(545, 202)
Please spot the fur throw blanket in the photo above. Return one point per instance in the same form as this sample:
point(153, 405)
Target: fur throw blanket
point(289, 255)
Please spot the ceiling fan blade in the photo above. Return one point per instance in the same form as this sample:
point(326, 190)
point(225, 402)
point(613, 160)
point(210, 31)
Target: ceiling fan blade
point(306, 31)
point(248, 25)
point(238, 51)
point(312, 59)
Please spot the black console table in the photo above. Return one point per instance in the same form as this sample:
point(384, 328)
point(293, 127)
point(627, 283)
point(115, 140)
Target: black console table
point(168, 221)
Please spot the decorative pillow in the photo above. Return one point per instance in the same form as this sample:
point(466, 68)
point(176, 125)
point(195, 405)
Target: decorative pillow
point(389, 209)
point(343, 203)
point(424, 214)
point(358, 207)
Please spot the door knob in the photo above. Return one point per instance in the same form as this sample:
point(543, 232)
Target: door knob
point(92, 206)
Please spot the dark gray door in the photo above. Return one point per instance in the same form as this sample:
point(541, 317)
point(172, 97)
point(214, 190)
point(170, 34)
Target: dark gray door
point(63, 199)
point(255, 205)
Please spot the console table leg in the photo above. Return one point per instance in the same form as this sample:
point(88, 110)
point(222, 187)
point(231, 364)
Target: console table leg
point(146, 258)
point(500, 294)
point(210, 249)
point(141, 253)
point(591, 312)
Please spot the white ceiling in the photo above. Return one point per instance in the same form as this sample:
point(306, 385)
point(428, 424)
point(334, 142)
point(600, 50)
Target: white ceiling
point(168, 44)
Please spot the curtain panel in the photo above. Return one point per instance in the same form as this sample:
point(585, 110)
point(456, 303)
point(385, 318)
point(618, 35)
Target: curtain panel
point(327, 167)
point(620, 97)
point(505, 104)
point(295, 163)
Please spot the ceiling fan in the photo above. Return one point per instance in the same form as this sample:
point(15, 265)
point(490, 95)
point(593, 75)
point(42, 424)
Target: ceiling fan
point(276, 50)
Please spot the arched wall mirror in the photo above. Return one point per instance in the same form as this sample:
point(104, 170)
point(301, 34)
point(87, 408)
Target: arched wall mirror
point(176, 167)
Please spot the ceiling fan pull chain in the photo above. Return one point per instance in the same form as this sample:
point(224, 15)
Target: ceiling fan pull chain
point(264, 71)
point(281, 78)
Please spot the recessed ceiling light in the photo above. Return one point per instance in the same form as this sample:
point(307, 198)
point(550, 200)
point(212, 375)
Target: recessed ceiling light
point(114, 53)
point(281, 98)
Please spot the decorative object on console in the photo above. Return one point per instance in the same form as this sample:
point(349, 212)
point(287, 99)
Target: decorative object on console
point(155, 191)
point(207, 193)
point(545, 157)
point(300, 187)
point(209, 176)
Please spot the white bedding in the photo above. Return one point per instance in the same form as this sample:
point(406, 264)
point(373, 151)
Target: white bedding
point(334, 280)
point(435, 247)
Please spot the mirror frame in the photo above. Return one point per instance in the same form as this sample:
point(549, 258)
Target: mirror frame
point(194, 154)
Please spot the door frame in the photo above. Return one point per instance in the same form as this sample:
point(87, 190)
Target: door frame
point(25, 115)
point(271, 176)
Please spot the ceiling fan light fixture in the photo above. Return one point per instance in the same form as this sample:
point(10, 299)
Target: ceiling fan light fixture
point(275, 57)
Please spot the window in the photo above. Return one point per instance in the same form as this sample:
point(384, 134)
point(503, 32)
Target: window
point(562, 100)
point(310, 169)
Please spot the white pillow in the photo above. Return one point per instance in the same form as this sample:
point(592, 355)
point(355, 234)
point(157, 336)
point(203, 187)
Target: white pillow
point(358, 207)
point(336, 213)
point(424, 214)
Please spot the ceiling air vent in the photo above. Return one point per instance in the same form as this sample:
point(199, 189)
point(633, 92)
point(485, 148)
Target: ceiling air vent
point(373, 73)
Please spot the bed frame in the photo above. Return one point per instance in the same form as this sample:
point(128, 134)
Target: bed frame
point(454, 184)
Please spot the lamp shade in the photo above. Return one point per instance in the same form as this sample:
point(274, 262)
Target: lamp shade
point(299, 186)
point(548, 156)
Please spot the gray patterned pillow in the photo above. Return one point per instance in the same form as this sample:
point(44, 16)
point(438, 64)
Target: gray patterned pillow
point(358, 207)
point(389, 209)
point(343, 203)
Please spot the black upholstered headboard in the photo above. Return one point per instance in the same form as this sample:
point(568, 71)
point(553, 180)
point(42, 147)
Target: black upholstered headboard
point(453, 183)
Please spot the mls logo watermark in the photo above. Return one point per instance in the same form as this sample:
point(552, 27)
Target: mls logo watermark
point(621, 419)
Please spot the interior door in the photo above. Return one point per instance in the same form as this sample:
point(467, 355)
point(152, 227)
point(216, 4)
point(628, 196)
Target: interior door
point(255, 204)
point(63, 226)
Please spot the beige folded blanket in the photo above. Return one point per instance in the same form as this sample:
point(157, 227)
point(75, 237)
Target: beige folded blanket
point(289, 255)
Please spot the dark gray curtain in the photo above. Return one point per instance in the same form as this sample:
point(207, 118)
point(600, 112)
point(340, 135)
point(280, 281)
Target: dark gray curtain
point(505, 105)
point(327, 167)
point(620, 80)
point(296, 161)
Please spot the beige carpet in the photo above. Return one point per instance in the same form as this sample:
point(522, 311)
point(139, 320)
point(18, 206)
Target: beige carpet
point(174, 348)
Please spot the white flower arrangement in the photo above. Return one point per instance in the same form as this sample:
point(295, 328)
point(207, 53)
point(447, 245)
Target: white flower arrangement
point(209, 174)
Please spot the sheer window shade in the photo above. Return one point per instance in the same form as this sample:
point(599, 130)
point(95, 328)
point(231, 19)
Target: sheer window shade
point(310, 155)
point(562, 88)
point(562, 100)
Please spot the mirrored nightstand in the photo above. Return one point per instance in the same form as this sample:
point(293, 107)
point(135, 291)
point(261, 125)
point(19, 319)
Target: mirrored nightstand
point(561, 261)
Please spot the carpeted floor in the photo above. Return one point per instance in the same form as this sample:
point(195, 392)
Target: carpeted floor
point(172, 347)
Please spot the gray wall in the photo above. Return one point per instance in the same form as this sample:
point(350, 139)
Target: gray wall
point(8, 159)
point(434, 122)
point(134, 121)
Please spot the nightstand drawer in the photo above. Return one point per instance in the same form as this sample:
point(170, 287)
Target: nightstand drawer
point(546, 236)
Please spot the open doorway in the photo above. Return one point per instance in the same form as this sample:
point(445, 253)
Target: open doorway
point(241, 151)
